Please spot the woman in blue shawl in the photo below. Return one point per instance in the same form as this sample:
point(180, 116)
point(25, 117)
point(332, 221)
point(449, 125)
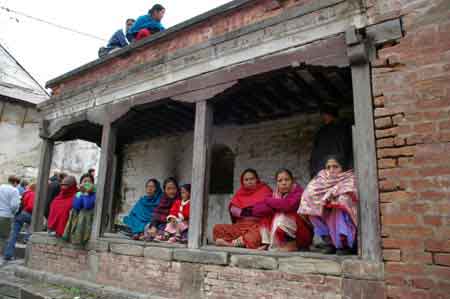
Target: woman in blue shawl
point(142, 212)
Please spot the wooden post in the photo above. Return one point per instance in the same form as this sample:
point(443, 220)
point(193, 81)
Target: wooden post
point(366, 155)
point(45, 162)
point(108, 147)
point(200, 171)
point(109, 198)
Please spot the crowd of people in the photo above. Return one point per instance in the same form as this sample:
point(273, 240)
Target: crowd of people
point(68, 209)
point(135, 30)
point(284, 219)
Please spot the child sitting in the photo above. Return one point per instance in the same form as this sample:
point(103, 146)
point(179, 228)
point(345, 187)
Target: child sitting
point(177, 226)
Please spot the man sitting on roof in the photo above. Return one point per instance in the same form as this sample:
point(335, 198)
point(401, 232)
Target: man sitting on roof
point(118, 40)
point(147, 24)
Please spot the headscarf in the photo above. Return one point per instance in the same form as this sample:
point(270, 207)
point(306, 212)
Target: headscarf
point(338, 191)
point(61, 206)
point(248, 197)
point(142, 212)
point(162, 210)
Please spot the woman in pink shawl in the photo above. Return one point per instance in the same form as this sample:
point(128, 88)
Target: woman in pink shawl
point(331, 202)
point(282, 229)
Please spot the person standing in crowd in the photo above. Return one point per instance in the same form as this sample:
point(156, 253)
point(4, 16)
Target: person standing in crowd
point(23, 217)
point(9, 205)
point(117, 41)
point(53, 190)
point(22, 186)
point(334, 137)
point(148, 24)
point(61, 206)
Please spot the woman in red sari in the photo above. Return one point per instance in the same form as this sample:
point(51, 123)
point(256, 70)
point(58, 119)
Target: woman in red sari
point(244, 232)
point(61, 206)
point(282, 228)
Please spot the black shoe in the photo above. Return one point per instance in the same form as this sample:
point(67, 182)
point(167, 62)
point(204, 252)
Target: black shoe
point(345, 251)
point(328, 249)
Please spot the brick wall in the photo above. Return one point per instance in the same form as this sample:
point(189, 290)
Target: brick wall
point(412, 118)
point(181, 273)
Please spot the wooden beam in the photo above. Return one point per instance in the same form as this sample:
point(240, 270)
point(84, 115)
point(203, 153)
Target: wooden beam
point(45, 162)
point(200, 172)
point(366, 155)
point(105, 173)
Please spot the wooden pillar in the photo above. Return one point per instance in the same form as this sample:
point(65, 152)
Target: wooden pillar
point(365, 155)
point(109, 199)
point(45, 162)
point(105, 172)
point(200, 171)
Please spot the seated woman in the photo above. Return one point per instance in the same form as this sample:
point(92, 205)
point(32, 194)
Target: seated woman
point(142, 212)
point(159, 218)
point(61, 206)
point(178, 220)
point(330, 200)
point(282, 228)
point(244, 232)
point(79, 227)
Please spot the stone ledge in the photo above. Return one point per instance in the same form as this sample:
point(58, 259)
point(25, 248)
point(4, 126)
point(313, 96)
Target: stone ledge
point(297, 265)
point(200, 256)
point(254, 262)
point(159, 253)
point(127, 249)
point(98, 246)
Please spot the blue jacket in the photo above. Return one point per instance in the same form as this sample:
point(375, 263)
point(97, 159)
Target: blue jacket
point(146, 21)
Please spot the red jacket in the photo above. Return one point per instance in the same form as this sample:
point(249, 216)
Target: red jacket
point(179, 211)
point(28, 201)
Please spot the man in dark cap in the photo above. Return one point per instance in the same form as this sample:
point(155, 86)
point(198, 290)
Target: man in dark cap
point(333, 138)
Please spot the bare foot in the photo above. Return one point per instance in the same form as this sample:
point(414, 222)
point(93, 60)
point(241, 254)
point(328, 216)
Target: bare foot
point(263, 247)
point(222, 242)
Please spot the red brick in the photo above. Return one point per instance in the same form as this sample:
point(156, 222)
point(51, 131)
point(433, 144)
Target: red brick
point(397, 152)
point(437, 245)
point(387, 163)
point(398, 141)
point(404, 268)
point(424, 128)
point(393, 255)
point(414, 257)
point(434, 171)
point(386, 132)
point(432, 220)
point(442, 259)
point(378, 101)
point(385, 142)
point(384, 122)
point(399, 219)
point(422, 283)
point(444, 125)
point(388, 185)
point(397, 119)
point(395, 196)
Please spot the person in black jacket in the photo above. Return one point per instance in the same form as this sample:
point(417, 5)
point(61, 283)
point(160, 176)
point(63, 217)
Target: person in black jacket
point(53, 189)
point(333, 138)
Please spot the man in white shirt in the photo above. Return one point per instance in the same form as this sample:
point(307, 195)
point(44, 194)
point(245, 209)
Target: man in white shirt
point(9, 205)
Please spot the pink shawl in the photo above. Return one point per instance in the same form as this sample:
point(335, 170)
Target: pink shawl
point(326, 191)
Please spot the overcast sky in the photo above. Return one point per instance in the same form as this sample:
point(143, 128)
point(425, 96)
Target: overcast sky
point(47, 52)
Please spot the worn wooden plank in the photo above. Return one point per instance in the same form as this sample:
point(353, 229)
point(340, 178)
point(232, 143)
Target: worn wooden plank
point(108, 145)
point(200, 171)
point(385, 32)
point(45, 162)
point(366, 167)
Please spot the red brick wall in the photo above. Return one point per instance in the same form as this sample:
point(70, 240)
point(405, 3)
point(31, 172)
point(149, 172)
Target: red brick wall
point(412, 99)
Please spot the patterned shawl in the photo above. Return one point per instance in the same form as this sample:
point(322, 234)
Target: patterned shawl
point(326, 191)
